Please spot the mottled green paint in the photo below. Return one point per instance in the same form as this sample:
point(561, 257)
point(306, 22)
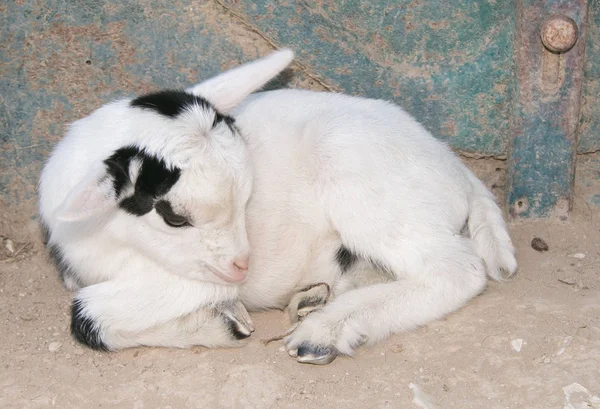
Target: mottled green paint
point(448, 63)
point(541, 163)
point(589, 127)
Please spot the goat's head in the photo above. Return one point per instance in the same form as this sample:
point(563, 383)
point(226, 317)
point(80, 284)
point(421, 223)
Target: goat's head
point(176, 190)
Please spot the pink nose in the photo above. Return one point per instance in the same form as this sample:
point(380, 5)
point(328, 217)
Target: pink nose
point(240, 263)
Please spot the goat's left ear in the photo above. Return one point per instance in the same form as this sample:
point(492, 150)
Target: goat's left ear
point(228, 89)
point(93, 197)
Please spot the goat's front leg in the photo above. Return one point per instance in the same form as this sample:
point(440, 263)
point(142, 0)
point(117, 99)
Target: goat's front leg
point(167, 311)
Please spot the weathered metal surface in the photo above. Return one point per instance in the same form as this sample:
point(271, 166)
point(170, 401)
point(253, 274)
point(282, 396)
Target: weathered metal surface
point(60, 59)
point(559, 33)
point(589, 127)
point(450, 63)
point(447, 62)
point(542, 157)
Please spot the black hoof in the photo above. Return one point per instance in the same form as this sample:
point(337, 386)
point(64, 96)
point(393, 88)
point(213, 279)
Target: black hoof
point(237, 330)
point(316, 355)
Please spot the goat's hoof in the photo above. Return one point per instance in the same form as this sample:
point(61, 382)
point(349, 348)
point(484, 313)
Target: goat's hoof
point(313, 354)
point(237, 319)
point(308, 300)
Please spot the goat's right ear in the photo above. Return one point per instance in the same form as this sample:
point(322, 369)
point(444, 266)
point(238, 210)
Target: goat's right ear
point(228, 89)
point(93, 197)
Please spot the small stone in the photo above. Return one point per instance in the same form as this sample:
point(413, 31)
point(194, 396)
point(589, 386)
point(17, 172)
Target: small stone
point(54, 346)
point(539, 244)
point(9, 245)
point(517, 344)
point(579, 256)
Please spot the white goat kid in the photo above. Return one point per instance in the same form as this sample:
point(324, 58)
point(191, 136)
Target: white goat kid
point(348, 191)
point(143, 203)
point(355, 193)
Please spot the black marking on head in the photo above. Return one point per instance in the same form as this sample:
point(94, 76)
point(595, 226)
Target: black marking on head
point(84, 329)
point(171, 103)
point(117, 166)
point(154, 179)
point(345, 258)
point(165, 210)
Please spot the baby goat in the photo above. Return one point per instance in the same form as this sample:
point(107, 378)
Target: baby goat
point(330, 188)
point(144, 204)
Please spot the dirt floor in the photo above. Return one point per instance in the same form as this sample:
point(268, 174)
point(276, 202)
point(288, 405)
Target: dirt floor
point(531, 342)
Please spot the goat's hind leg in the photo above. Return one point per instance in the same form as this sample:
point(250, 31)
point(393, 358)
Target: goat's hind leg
point(451, 274)
point(307, 300)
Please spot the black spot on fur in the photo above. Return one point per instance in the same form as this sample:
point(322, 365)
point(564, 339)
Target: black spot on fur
point(56, 255)
point(345, 258)
point(84, 330)
point(117, 166)
point(45, 232)
point(154, 179)
point(171, 103)
point(64, 269)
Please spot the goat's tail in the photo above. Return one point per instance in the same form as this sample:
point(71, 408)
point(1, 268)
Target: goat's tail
point(489, 231)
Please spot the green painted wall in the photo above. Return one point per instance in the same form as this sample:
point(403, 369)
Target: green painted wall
point(450, 63)
point(589, 127)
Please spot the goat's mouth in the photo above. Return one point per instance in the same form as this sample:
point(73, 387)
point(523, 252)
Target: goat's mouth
point(226, 277)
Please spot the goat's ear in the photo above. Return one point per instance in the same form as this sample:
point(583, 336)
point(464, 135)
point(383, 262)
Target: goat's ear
point(228, 89)
point(93, 197)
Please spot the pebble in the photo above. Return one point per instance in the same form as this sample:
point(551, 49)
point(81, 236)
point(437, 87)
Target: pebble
point(54, 346)
point(539, 244)
point(579, 256)
point(517, 344)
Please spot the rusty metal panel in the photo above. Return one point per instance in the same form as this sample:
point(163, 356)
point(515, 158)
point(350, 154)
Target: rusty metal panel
point(60, 59)
point(541, 166)
point(449, 63)
point(589, 127)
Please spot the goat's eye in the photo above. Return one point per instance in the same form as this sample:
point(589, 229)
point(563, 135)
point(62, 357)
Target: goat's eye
point(164, 209)
point(176, 221)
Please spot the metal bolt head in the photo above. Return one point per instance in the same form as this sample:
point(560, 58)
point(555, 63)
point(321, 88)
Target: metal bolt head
point(559, 33)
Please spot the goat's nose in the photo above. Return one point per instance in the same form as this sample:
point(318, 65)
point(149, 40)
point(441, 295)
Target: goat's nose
point(241, 263)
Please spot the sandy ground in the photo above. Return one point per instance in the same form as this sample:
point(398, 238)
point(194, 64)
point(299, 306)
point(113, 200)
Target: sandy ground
point(531, 342)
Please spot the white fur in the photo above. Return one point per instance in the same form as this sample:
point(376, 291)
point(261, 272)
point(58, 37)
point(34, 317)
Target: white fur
point(333, 169)
point(138, 273)
point(328, 170)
